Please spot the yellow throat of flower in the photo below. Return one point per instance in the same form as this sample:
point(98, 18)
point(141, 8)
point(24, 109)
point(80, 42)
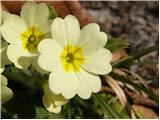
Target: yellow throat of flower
point(71, 58)
point(31, 38)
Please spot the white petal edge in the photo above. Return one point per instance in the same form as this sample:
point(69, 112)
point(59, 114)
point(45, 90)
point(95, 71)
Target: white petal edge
point(6, 93)
point(88, 83)
point(66, 31)
point(38, 13)
point(99, 62)
point(4, 81)
point(36, 66)
point(12, 28)
point(63, 82)
point(69, 83)
point(91, 39)
point(5, 15)
point(20, 57)
point(28, 12)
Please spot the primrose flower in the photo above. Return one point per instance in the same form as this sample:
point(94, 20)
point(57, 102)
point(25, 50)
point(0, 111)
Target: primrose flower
point(3, 49)
point(75, 58)
point(24, 34)
point(6, 93)
point(51, 101)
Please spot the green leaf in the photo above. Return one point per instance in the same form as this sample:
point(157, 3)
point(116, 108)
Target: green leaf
point(78, 108)
point(115, 44)
point(4, 114)
point(129, 60)
point(124, 62)
point(41, 113)
point(139, 53)
point(22, 80)
point(52, 13)
point(106, 106)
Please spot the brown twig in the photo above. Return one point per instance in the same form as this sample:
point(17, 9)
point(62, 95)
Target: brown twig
point(80, 12)
point(137, 99)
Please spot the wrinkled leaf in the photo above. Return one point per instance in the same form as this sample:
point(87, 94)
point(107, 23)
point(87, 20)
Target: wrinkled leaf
point(115, 44)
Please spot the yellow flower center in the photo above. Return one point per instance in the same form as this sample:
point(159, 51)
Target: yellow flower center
point(71, 58)
point(31, 38)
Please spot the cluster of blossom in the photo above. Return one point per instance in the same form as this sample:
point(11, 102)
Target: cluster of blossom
point(73, 57)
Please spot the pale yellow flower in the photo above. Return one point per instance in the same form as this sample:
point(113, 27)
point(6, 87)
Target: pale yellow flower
point(75, 58)
point(51, 101)
point(3, 45)
point(24, 34)
point(6, 93)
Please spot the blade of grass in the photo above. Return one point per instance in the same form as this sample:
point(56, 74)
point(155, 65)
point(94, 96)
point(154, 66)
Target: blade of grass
point(135, 55)
point(109, 111)
point(144, 51)
point(137, 86)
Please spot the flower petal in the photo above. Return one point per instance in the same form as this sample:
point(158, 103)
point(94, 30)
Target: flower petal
point(19, 56)
point(58, 100)
point(83, 90)
point(66, 31)
point(37, 66)
point(49, 105)
point(49, 47)
point(88, 83)
point(3, 53)
point(5, 15)
point(51, 101)
point(63, 82)
point(99, 62)
point(12, 28)
point(28, 13)
point(6, 93)
point(91, 39)
point(4, 81)
point(1, 70)
point(50, 52)
point(35, 14)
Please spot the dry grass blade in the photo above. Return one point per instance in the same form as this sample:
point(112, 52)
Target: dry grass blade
point(133, 116)
point(124, 74)
point(117, 89)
